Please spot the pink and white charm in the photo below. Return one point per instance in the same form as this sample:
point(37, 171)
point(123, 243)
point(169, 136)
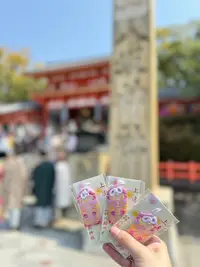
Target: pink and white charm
point(89, 207)
point(117, 203)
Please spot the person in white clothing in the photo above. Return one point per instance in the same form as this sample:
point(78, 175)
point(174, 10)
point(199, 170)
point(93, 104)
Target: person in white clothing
point(63, 198)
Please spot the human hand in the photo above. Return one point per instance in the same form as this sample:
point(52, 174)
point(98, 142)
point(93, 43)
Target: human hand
point(153, 254)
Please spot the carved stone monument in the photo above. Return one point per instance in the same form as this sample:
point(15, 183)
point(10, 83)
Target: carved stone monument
point(133, 119)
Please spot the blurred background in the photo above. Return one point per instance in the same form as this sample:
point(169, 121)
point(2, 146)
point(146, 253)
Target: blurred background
point(55, 98)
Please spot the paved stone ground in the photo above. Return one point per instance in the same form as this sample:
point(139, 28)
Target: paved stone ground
point(55, 248)
point(25, 250)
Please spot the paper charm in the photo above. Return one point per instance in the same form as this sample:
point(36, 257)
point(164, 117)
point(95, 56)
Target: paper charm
point(89, 207)
point(89, 197)
point(122, 194)
point(117, 203)
point(144, 226)
point(148, 217)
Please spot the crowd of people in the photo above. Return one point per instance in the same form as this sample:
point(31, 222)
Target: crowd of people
point(22, 137)
point(73, 136)
point(48, 182)
point(80, 133)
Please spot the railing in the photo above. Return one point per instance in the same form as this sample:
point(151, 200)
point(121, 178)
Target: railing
point(174, 171)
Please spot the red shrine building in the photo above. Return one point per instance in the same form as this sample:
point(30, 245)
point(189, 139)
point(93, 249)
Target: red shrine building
point(86, 84)
point(20, 113)
point(73, 87)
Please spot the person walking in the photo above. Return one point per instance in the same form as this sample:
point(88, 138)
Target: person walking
point(43, 178)
point(62, 191)
point(56, 144)
point(72, 140)
point(15, 188)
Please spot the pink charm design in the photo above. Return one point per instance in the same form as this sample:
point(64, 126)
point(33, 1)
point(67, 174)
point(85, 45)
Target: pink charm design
point(117, 203)
point(89, 207)
point(147, 218)
point(144, 227)
point(139, 232)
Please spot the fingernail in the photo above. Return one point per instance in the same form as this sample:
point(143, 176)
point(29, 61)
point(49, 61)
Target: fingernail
point(114, 231)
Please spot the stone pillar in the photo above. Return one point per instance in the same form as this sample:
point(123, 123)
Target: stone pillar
point(134, 116)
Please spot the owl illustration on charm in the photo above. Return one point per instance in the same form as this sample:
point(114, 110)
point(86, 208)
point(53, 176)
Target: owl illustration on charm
point(89, 207)
point(117, 203)
point(144, 226)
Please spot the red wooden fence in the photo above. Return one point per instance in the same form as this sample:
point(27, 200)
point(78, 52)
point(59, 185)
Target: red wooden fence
point(178, 171)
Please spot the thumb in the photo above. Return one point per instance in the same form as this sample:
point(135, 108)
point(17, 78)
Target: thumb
point(136, 249)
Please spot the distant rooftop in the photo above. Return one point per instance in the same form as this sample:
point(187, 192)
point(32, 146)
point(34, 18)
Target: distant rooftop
point(166, 93)
point(19, 106)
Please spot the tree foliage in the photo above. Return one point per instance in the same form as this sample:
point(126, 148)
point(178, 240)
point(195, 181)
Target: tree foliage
point(179, 58)
point(182, 136)
point(14, 85)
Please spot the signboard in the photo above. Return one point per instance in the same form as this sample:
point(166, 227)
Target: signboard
point(54, 105)
point(81, 102)
point(78, 102)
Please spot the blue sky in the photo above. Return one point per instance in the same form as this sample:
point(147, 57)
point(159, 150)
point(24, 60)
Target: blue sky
point(69, 30)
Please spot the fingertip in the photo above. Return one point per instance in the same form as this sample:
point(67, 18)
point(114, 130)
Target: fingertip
point(157, 239)
point(153, 239)
point(114, 231)
point(105, 246)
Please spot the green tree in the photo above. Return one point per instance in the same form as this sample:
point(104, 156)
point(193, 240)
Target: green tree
point(179, 57)
point(14, 85)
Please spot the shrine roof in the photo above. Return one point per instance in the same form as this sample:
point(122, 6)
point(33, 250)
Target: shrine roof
point(60, 65)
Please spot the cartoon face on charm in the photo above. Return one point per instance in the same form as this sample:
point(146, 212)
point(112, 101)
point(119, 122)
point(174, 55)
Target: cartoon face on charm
point(89, 207)
point(117, 203)
point(147, 218)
